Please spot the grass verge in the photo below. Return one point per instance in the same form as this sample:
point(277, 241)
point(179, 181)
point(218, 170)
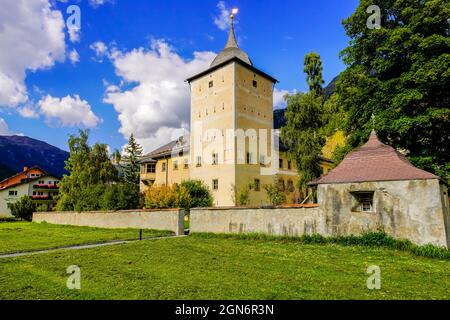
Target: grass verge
point(220, 268)
point(370, 239)
point(29, 236)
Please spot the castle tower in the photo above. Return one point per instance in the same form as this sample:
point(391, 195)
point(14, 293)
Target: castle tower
point(231, 102)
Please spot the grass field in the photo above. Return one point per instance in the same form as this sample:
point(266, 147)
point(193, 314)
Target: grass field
point(197, 267)
point(26, 236)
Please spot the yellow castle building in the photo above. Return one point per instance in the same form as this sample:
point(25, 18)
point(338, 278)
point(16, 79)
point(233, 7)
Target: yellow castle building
point(232, 141)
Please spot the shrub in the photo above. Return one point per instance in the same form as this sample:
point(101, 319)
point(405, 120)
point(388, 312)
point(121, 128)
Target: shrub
point(23, 208)
point(43, 208)
point(194, 194)
point(161, 197)
point(189, 194)
point(121, 196)
point(243, 196)
point(275, 194)
point(107, 197)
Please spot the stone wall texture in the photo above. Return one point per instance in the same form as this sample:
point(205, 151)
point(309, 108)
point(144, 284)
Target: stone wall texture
point(171, 220)
point(276, 221)
point(416, 210)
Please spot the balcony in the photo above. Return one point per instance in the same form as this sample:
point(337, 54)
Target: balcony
point(46, 186)
point(46, 197)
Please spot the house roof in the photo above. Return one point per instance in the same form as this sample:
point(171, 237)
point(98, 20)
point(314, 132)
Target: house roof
point(28, 180)
point(23, 172)
point(374, 161)
point(183, 144)
point(175, 146)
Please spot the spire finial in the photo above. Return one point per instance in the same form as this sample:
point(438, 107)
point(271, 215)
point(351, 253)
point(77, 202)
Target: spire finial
point(232, 38)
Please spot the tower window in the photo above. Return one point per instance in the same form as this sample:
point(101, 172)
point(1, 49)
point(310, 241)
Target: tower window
point(255, 84)
point(211, 84)
point(257, 184)
point(215, 184)
point(198, 161)
point(215, 158)
point(249, 157)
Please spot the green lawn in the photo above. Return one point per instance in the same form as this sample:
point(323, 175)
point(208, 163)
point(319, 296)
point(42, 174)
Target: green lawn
point(196, 267)
point(27, 236)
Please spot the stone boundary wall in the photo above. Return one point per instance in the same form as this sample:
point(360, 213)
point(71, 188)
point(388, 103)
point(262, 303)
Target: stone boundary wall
point(308, 220)
point(292, 221)
point(171, 219)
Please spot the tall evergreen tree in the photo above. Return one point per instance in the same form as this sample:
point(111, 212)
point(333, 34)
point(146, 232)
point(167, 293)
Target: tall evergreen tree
point(131, 167)
point(400, 73)
point(313, 69)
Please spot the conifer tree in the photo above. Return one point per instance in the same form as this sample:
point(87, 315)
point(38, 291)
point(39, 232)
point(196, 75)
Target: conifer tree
point(131, 167)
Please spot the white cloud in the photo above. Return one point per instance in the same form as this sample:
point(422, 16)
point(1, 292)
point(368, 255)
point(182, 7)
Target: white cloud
point(4, 129)
point(74, 33)
point(157, 107)
point(222, 20)
point(98, 3)
point(100, 49)
point(278, 98)
point(28, 111)
point(68, 111)
point(74, 57)
point(31, 38)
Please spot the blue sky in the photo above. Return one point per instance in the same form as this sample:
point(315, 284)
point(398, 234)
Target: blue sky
point(123, 70)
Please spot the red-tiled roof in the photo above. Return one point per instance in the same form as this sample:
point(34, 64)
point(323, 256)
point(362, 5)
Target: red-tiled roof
point(374, 161)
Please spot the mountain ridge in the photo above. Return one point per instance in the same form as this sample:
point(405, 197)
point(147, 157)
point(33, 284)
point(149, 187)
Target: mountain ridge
point(17, 152)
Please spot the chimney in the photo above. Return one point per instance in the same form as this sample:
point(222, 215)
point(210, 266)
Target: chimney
point(25, 168)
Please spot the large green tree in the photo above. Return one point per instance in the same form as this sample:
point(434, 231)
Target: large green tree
point(131, 166)
point(301, 134)
point(304, 120)
point(401, 74)
point(89, 167)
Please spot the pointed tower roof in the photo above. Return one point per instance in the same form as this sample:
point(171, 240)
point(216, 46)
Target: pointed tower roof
point(231, 53)
point(374, 161)
point(231, 49)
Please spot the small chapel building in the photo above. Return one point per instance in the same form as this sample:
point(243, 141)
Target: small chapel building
point(374, 187)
